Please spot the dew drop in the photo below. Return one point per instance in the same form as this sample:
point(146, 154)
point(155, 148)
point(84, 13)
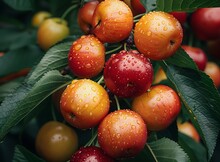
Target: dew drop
point(77, 47)
point(88, 65)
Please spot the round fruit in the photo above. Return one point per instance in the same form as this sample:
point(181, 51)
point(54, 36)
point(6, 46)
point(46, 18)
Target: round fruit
point(90, 154)
point(205, 23)
point(39, 17)
point(86, 57)
point(128, 73)
point(159, 76)
point(197, 54)
point(158, 35)
point(213, 71)
point(112, 21)
point(181, 16)
point(122, 134)
point(85, 14)
point(56, 142)
point(138, 7)
point(84, 103)
point(158, 107)
point(188, 129)
point(51, 31)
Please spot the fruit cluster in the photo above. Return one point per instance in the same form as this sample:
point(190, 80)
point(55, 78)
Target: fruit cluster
point(102, 77)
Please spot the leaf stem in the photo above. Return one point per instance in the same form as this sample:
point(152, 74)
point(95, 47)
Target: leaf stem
point(100, 80)
point(68, 11)
point(138, 16)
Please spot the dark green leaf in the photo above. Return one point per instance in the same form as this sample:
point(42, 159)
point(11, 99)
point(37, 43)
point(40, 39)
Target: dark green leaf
point(196, 151)
point(16, 60)
point(201, 99)
point(185, 5)
point(21, 5)
point(21, 106)
point(166, 150)
point(21, 154)
point(55, 58)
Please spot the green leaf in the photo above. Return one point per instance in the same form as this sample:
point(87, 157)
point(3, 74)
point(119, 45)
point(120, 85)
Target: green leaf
point(21, 5)
point(20, 107)
point(149, 4)
point(166, 150)
point(200, 97)
point(21, 154)
point(185, 5)
point(55, 58)
point(196, 151)
point(16, 60)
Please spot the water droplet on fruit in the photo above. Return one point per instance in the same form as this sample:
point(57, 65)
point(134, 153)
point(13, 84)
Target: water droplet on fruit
point(165, 28)
point(92, 44)
point(118, 135)
point(86, 105)
point(88, 65)
point(158, 99)
point(77, 47)
point(90, 114)
point(119, 12)
point(94, 99)
point(70, 58)
point(87, 48)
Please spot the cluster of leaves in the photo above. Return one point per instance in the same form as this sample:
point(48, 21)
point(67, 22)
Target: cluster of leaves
point(25, 99)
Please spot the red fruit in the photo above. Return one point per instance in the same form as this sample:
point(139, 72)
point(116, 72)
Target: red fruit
point(84, 103)
point(158, 35)
point(112, 21)
point(158, 107)
point(122, 134)
point(138, 7)
point(128, 74)
point(85, 15)
point(181, 16)
point(90, 154)
point(213, 71)
point(205, 23)
point(188, 129)
point(86, 57)
point(198, 56)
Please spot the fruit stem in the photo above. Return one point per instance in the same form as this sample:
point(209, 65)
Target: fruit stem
point(138, 16)
point(89, 143)
point(68, 11)
point(117, 102)
point(100, 80)
point(53, 113)
point(113, 50)
point(125, 46)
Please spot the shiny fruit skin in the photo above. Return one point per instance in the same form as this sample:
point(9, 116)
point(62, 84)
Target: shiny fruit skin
point(205, 23)
point(188, 129)
point(198, 56)
point(84, 103)
point(39, 17)
point(85, 14)
point(213, 71)
point(86, 57)
point(158, 35)
point(181, 16)
point(90, 154)
point(138, 7)
point(51, 31)
point(122, 134)
point(158, 107)
point(112, 21)
point(56, 142)
point(128, 74)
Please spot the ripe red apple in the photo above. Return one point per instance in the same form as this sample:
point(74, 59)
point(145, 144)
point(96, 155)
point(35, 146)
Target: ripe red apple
point(84, 103)
point(85, 14)
point(90, 154)
point(198, 56)
point(86, 57)
point(128, 74)
point(158, 35)
point(158, 107)
point(122, 134)
point(205, 23)
point(112, 21)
